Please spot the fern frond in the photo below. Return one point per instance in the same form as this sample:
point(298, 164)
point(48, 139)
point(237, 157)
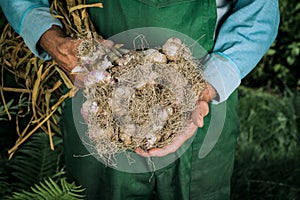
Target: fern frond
point(11, 108)
point(4, 186)
point(48, 189)
point(35, 161)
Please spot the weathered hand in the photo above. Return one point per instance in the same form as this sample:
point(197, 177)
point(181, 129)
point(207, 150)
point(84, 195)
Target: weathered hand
point(64, 50)
point(197, 121)
point(61, 48)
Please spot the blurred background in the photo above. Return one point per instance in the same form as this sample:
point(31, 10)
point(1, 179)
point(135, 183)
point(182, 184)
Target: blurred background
point(267, 162)
point(268, 152)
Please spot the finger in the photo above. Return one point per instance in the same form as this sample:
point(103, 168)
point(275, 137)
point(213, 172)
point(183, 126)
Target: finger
point(203, 107)
point(200, 121)
point(199, 113)
point(160, 152)
point(196, 117)
point(142, 152)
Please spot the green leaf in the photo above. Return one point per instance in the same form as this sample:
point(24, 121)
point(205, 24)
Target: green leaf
point(271, 52)
point(35, 161)
point(291, 60)
point(48, 189)
point(295, 51)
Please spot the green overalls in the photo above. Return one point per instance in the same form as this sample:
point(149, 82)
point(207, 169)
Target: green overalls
point(204, 170)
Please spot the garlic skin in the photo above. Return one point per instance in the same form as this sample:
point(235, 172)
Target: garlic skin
point(79, 69)
point(159, 116)
point(84, 114)
point(129, 129)
point(120, 100)
point(154, 56)
point(96, 132)
point(96, 76)
point(88, 107)
point(104, 64)
point(146, 76)
point(172, 48)
point(175, 49)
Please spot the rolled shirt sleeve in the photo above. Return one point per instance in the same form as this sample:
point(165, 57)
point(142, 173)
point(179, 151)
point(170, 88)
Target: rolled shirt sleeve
point(243, 39)
point(30, 19)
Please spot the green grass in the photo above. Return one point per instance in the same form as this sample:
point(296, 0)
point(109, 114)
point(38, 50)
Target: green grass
point(268, 154)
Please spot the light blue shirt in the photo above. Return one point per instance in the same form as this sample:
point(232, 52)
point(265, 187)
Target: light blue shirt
point(241, 40)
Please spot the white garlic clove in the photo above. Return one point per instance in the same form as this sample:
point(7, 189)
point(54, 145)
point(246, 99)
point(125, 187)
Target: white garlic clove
point(174, 40)
point(94, 107)
point(123, 51)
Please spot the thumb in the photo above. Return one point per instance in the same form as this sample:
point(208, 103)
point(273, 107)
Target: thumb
point(199, 113)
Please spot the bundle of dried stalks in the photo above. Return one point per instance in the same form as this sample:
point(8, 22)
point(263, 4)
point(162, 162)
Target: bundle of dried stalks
point(41, 81)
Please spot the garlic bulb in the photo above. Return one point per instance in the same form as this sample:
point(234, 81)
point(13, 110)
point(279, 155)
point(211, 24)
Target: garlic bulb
point(172, 48)
point(159, 116)
point(175, 49)
point(95, 77)
point(104, 64)
point(88, 107)
point(154, 56)
point(96, 132)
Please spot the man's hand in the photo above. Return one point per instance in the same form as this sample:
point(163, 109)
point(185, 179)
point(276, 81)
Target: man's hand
point(64, 50)
point(61, 48)
point(198, 115)
point(208, 94)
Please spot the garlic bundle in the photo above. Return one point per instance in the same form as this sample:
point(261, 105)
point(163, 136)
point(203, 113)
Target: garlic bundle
point(137, 99)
